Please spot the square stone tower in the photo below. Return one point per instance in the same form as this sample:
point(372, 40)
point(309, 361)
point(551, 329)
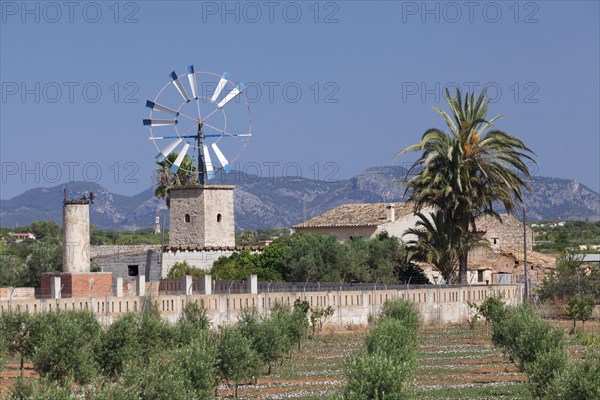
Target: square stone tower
point(201, 215)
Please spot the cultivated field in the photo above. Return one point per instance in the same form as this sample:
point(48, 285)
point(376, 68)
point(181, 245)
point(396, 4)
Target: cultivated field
point(454, 363)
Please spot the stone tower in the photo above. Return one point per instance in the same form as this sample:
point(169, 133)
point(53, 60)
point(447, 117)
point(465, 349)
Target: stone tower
point(76, 236)
point(202, 216)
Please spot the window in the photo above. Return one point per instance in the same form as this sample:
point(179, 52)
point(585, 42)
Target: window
point(219, 217)
point(187, 217)
point(479, 276)
point(133, 270)
point(495, 241)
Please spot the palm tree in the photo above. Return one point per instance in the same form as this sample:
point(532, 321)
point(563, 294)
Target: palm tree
point(437, 241)
point(466, 171)
point(186, 175)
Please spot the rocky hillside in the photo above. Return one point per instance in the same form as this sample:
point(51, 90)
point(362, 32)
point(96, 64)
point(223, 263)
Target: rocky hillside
point(282, 202)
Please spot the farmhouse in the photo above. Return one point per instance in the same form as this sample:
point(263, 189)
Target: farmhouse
point(502, 262)
point(22, 236)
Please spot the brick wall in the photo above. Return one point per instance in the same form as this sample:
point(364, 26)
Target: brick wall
point(79, 284)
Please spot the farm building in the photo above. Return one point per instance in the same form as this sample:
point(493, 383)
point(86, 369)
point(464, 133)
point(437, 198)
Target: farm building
point(504, 257)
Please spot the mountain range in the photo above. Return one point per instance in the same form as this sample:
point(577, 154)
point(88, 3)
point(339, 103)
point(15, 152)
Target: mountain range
point(268, 202)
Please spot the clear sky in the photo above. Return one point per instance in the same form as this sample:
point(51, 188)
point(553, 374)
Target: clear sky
point(334, 87)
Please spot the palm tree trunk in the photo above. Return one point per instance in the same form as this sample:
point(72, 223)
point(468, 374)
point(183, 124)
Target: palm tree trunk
point(462, 267)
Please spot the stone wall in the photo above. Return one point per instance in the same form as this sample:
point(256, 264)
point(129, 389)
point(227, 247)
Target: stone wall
point(19, 292)
point(436, 305)
point(506, 235)
point(201, 216)
point(76, 237)
point(147, 262)
point(121, 249)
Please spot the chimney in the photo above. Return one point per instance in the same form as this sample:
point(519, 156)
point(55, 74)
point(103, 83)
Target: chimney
point(390, 212)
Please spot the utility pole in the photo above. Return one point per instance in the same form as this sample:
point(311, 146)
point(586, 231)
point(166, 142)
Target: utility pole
point(526, 297)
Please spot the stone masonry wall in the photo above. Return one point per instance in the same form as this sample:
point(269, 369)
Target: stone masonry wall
point(202, 216)
point(507, 234)
point(76, 237)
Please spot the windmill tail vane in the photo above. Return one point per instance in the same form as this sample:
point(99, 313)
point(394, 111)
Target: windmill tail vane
point(205, 143)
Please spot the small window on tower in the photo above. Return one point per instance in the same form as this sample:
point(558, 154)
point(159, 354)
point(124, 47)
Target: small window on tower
point(218, 217)
point(187, 217)
point(133, 270)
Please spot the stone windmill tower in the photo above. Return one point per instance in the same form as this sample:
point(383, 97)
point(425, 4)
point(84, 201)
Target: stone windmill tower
point(202, 216)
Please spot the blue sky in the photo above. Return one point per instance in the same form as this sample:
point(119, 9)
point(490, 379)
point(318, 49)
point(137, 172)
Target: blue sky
point(335, 87)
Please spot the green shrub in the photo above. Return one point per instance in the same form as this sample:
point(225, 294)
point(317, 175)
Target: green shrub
point(182, 268)
point(238, 361)
point(492, 309)
point(271, 341)
point(393, 338)
point(155, 334)
point(376, 376)
point(578, 381)
point(194, 321)
point(160, 377)
point(403, 311)
point(522, 335)
point(580, 308)
point(544, 370)
point(65, 348)
point(199, 362)
point(16, 328)
point(39, 389)
point(176, 373)
point(119, 344)
point(388, 360)
point(298, 326)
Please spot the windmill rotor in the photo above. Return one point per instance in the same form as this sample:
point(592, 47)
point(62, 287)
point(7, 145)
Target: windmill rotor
point(188, 117)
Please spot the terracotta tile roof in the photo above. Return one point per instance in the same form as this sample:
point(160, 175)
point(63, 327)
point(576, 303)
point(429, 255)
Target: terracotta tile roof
point(370, 214)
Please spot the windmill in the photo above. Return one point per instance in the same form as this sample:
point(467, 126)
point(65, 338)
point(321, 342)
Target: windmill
point(205, 127)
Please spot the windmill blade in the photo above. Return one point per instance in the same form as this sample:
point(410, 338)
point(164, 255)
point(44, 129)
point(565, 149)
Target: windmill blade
point(220, 86)
point(160, 107)
point(192, 79)
point(234, 92)
point(211, 135)
point(164, 153)
point(159, 122)
point(210, 174)
point(179, 159)
point(179, 86)
point(173, 137)
point(221, 158)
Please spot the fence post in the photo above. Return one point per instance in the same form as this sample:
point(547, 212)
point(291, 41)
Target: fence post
point(119, 287)
point(252, 283)
point(188, 283)
point(207, 284)
point(55, 287)
point(140, 286)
